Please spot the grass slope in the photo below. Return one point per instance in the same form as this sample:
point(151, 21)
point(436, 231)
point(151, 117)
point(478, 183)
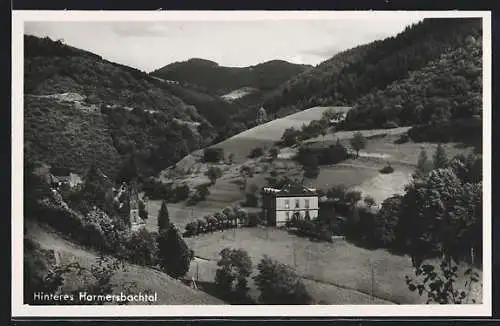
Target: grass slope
point(265, 135)
point(339, 263)
point(169, 290)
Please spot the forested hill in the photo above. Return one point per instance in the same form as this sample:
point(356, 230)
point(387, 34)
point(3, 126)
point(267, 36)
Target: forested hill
point(349, 75)
point(448, 88)
point(81, 109)
point(212, 78)
point(51, 67)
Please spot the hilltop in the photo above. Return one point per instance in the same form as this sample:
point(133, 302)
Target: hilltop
point(215, 79)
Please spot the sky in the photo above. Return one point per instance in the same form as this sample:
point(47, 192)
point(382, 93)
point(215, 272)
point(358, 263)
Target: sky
point(151, 45)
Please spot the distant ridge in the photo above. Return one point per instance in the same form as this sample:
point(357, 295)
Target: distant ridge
point(216, 79)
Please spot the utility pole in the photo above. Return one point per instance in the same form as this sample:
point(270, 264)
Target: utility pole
point(197, 268)
point(373, 282)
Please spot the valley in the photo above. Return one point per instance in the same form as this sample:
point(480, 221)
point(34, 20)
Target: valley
point(188, 174)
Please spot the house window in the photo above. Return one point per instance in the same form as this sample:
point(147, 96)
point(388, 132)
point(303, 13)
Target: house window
point(297, 203)
point(287, 204)
point(288, 215)
point(307, 203)
point(307, 216)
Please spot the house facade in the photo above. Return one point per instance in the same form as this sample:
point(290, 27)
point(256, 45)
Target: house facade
point(290, 201)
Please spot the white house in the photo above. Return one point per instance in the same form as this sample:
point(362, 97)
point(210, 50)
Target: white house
point(291, 200)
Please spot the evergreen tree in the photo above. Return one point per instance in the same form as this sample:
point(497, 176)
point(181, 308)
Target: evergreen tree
point(163, 217)
point(174, 254)
point(440, 157)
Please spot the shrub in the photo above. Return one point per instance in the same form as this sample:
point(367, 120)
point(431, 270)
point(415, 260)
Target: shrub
point(390, 125)
point(155, 189)
point(404, 138)
point(386, 169)
point(311, 172)
point(251, 200)
point(256, 152)
point(213, 174)
point(181, 192)
point(253, 219)
point(191, 229)
point(369, 201)
point(337, 192)
point(290, 137)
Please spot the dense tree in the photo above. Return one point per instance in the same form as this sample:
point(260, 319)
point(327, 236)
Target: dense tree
point(213, 155)
point(141, 247)
point(279, 284)
point(95, 187)
point(251, 196)
point(163, 217)
point(213, 174)
point(290, 136)
point(423, 165)
point(338, 192)
point(358, 142)
point(273, 152)
point(235, 266)
point(440, 158)
point(467, 168)
point(437, 214)
point(174, 255)
point(386, 221)
point(129, 171)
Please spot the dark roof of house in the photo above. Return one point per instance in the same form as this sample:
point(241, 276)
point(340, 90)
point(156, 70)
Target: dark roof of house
point(291, 188)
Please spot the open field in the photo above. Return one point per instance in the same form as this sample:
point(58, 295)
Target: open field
point(383, 146)
point(265, 135)
point(169, 291)
point(339, 263)
point(323, 293)
point(343, 135)
point(360, 174)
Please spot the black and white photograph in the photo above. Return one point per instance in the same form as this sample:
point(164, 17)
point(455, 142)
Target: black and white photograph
point(303, 163)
